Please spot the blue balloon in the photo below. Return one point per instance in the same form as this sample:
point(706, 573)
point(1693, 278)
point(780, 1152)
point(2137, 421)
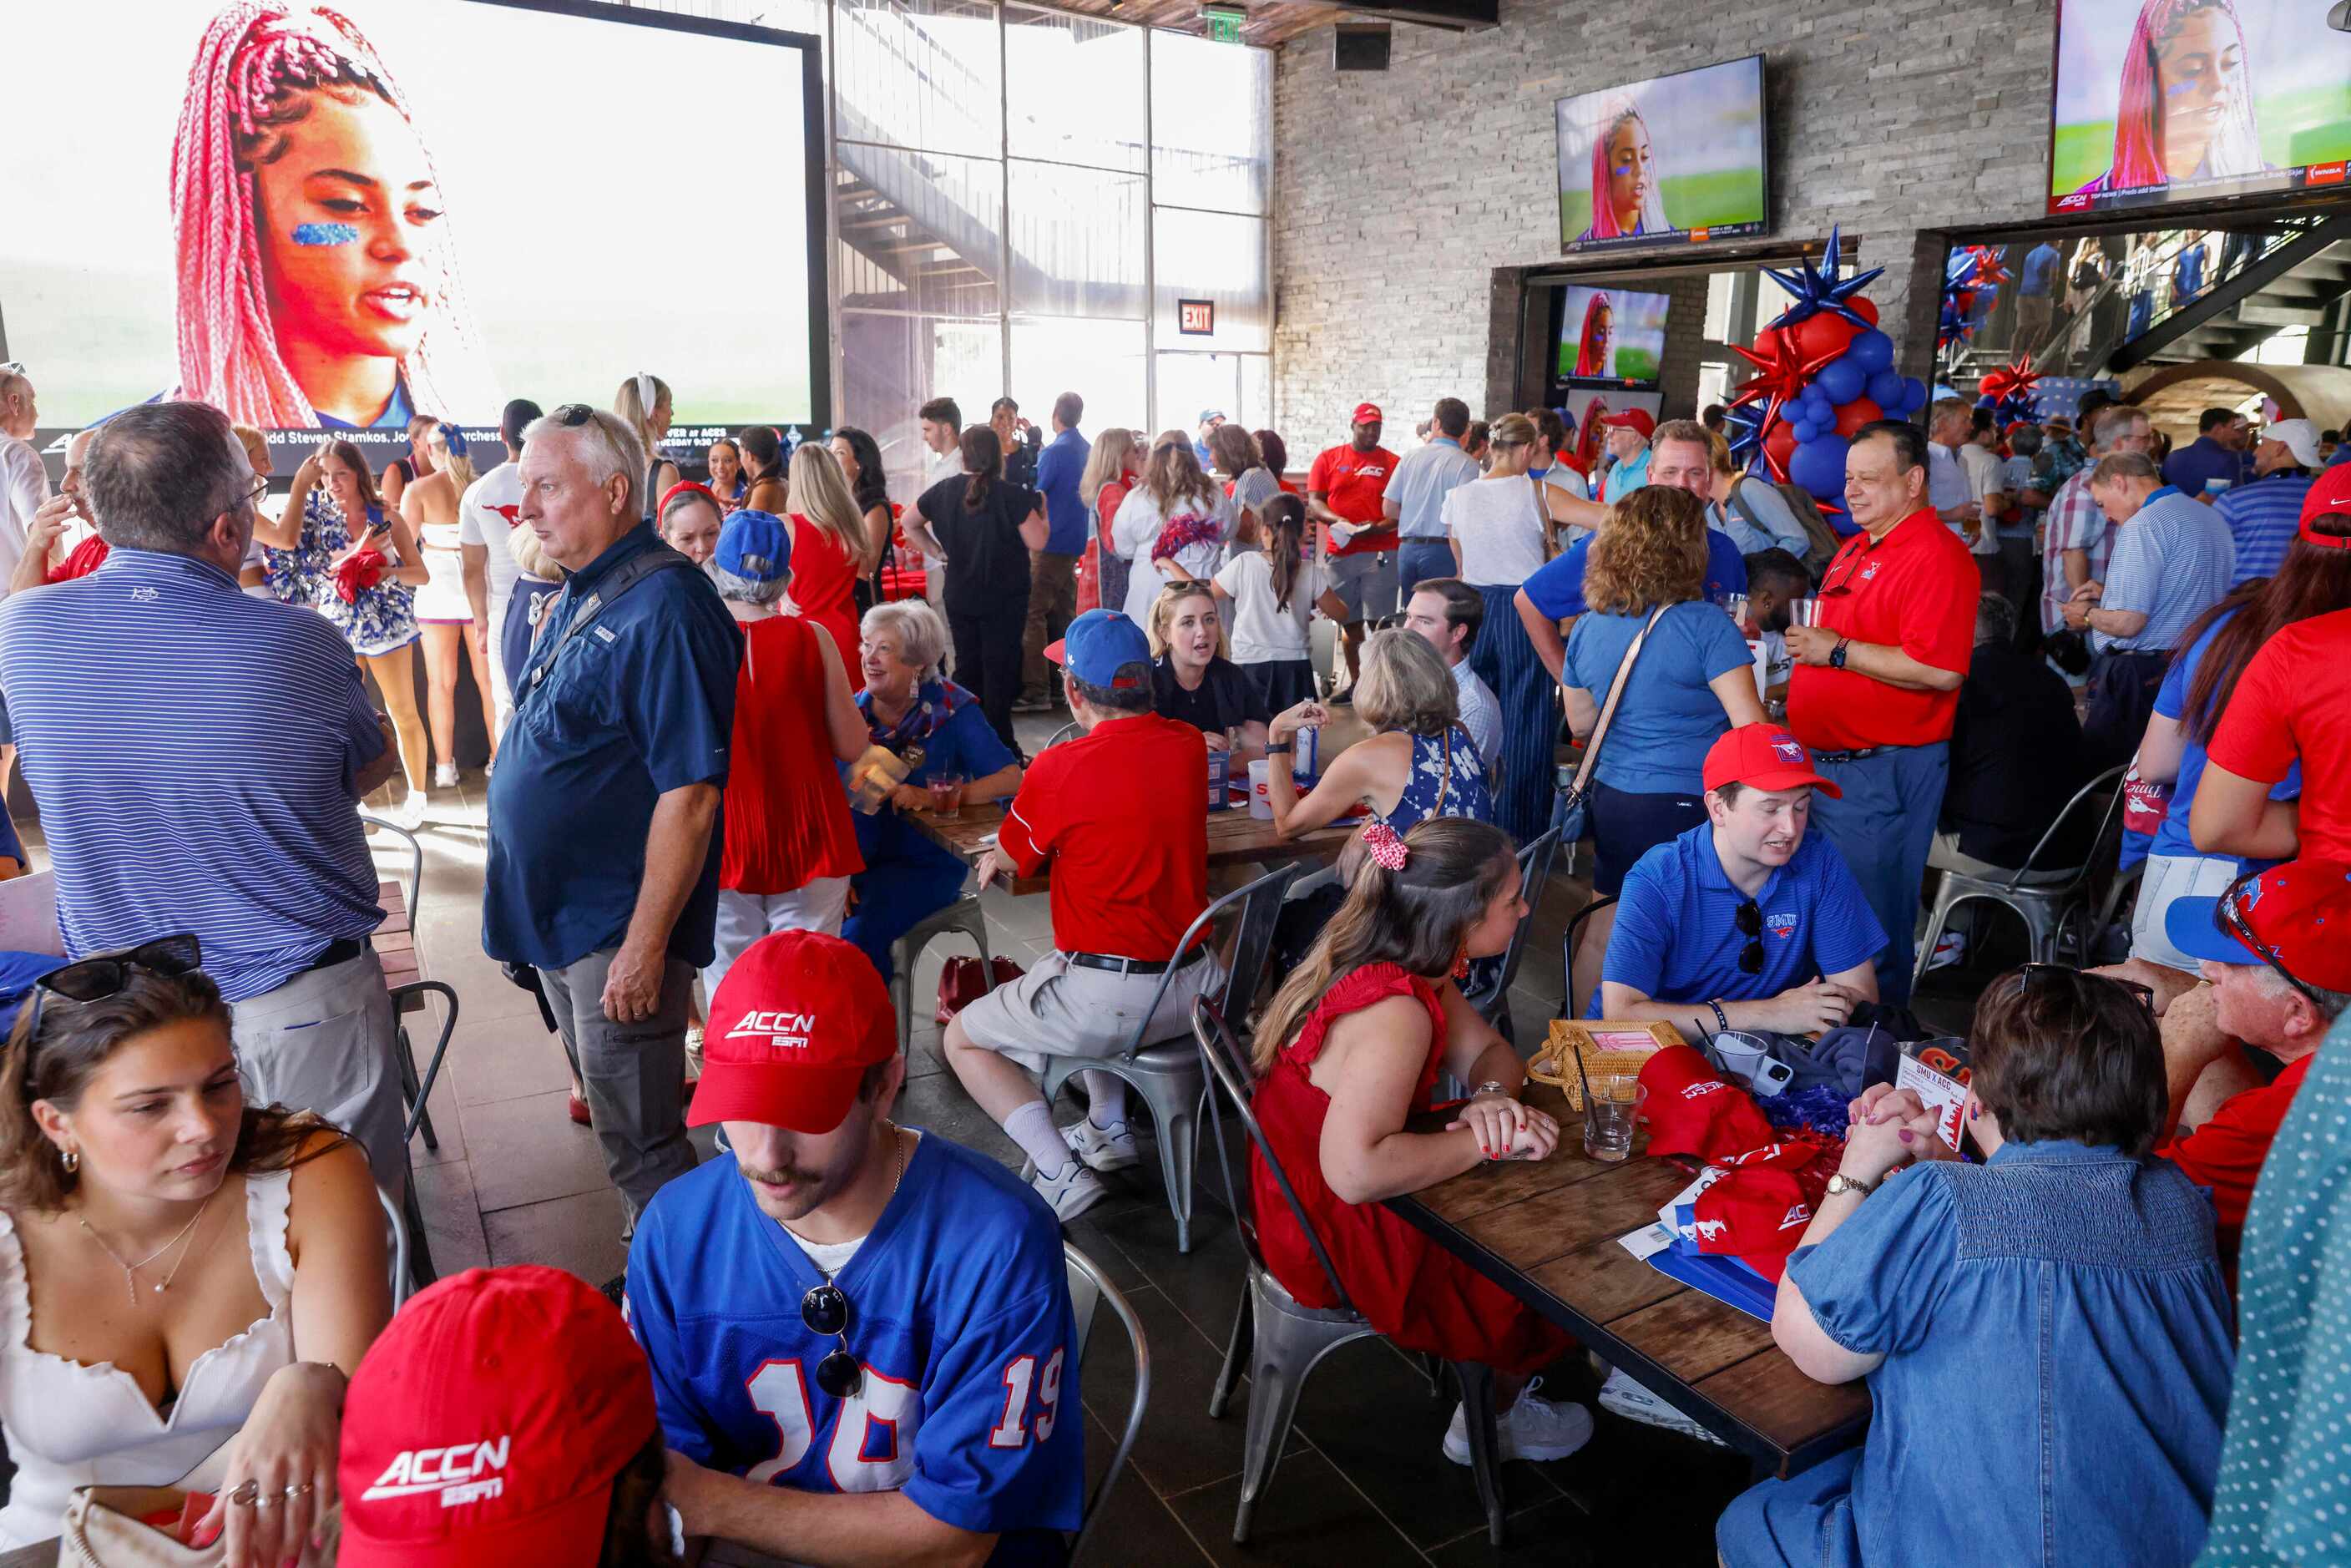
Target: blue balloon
point(1887, 388)
point(1805, 431)
point(1873, 351)
point(1915, 396)
point(1819, 465)
point(1842, 379)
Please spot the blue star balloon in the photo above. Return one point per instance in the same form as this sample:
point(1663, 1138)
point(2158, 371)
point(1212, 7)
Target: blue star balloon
point(1744, 427)
point(1818, 288)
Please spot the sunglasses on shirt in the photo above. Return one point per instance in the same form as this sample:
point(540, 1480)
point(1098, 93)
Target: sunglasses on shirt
point(1751, 925)
point(825, 1311)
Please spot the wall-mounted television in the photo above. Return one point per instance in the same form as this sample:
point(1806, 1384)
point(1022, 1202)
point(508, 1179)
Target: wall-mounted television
point(2171, 100)
point(388, 208)
point(1608, 337)
point(1673, 159)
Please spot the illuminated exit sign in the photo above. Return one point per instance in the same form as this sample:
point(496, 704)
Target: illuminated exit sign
point(1224, 23)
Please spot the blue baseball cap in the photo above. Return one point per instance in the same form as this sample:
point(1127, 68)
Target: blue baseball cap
point(755, 546)
point(1099, 643)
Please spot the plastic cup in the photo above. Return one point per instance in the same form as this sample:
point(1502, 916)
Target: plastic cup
point(1612, 1105)
point(1261, 801)
point(1803, 611)
point(946, 794)
point(1737, 604)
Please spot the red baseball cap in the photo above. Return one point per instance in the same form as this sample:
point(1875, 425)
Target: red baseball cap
point(1758, 1208)
point(2285, 911)
point(1763, 756)
point(485, 1426)
point(1631, 419)
point(2330, 492)
point(1367, 414)
point(1691, 1110)
point(798, 1019)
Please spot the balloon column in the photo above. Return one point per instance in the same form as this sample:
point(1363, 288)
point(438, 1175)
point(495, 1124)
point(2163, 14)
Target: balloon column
point(1823, 370)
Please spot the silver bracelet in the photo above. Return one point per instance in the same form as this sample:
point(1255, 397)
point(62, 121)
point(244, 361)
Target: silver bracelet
point(1491, 1086)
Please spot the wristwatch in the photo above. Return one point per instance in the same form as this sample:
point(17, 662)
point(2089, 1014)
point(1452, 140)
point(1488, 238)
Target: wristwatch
point(1836, 655)
point(1490, 1086)
point(1843, 1183)
point(1279, 747)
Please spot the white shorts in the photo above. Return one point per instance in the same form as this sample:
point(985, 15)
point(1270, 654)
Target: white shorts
point(745, 918)
point(2166, 880)
point(1058, 1009)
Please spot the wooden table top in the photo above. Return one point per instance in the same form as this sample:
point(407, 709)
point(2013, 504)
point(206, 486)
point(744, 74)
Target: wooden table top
point(1548, 1234)
point(40, 1554)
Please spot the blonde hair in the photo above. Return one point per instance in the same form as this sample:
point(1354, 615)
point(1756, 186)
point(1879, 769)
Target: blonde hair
point(1404, 686)
point(633, 407)
point(819, 491)
point(1106, 461)
point(1652, 552)
point(256, 447)
point(1163, 610)
point(456, 465)
point(1513, 430)
point(531, 556)
point(1172, 474)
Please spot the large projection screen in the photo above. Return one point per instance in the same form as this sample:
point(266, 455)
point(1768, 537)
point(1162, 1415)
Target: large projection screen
point(457, 202)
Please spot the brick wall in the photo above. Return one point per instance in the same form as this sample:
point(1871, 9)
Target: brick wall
point(1405, 200)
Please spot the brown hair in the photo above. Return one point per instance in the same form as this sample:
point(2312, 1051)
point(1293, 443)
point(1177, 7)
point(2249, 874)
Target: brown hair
point(1684, 430)
point(350, 458)
point(2314, 580)
point(2116, 466)
point(75, 1040)
point(1171, 475)
point(1652, 552)
point(1283, 519)
point(983, 465)
point(1236, 453)
point(2062, 1055)
point(1513, 430)
point(1275, 450)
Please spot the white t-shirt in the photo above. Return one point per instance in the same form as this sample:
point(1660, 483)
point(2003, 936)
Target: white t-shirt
point(485, 516)
point(24, 486)
point(1981, 469)
point(1137, 527)
point(1495, 523)
point(1481, 716)
point(1261, 634)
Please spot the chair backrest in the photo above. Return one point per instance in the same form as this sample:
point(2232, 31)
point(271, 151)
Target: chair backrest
point(2085, 799)
point(1534, 874)
point(416, 885)
point(400, 996)
point(1575, 1004)
point(1068, 731)
point(396, 1236)
point(1088, 1291)
point(1228, 1070)
point(1259, 905)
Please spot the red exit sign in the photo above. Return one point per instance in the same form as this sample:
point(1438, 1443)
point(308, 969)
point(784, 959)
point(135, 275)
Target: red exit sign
point(1196, 317)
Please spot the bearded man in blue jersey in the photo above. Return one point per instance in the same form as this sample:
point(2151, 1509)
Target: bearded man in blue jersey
point(861, 1335)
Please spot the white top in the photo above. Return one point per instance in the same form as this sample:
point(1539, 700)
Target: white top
point(1499, 530)
point(1982, 471)
point(486, 514)
point(1262, 633)
point(24, 486)
point(71, 1424)
point(442, 597)
point(1481, 716)
point(1136, 528)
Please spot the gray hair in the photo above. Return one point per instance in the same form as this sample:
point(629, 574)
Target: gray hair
point(920, 631)
point(606, 444)
point(2113, 423)
point(159, 472)
point(2329, 1005)
point(2116, 466)
point(1995, 620)
point(746, 589)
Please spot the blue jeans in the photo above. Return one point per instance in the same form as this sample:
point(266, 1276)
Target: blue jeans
point(1417, 559)
point(893, 898)
point(1884, 827)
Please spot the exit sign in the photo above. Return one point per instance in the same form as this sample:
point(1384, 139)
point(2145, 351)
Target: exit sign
point(1196, 317)
point(1224, 23)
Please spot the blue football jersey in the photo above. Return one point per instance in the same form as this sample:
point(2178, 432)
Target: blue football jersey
point(959, 1311)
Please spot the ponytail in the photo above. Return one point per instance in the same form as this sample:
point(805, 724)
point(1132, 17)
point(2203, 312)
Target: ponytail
point(983, 461)
point(1285, 518)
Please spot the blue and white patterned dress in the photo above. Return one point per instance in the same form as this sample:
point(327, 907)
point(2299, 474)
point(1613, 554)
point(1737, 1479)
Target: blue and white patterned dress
point(1447, 780)
point(383, 619)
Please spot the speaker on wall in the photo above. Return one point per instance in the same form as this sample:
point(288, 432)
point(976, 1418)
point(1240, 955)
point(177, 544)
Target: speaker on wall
point(1360, 46)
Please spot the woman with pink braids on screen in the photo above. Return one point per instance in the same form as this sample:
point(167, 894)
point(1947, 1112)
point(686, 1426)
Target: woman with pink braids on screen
point(1625, 198)
point(316, 287)
point(1595, 353)
point(2185, 108)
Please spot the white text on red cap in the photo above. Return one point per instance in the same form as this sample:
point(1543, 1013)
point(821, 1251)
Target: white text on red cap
point(461, 1473)
point(787, 1032)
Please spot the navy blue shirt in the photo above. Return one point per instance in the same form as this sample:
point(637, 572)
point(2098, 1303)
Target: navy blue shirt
point(2203, 458)
point(965, 743)
point(1557, 587)
point(641, 703)
point(2040, 270)
point(1058, 468)
point(1677, 936)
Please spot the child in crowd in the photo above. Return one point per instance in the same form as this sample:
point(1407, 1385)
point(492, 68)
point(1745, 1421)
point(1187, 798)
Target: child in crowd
point(1275, 591)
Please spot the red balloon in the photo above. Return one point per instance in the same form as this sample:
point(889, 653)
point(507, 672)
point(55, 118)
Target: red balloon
point(1781, 443)
point(1864, 307)
point(1764, 339)
point(1824, 335)
point(1852, 416)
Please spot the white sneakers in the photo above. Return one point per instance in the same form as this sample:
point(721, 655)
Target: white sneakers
point(1110, 1148)
point(1531, 1429)
point(1071, 1193)
point(1622, 1397)
point(409, 813)
point(444, 775)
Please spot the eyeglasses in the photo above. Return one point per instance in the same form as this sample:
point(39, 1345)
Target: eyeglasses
point(1751, 925)
point(2030, 977)
point(825, 1311)
point(103, 975)
point(2230, 910)
point(260, 488)
point(12, 368)
point(572, 415)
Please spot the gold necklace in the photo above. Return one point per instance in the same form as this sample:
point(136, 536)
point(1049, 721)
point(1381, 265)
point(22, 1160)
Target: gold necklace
point(130, 1271)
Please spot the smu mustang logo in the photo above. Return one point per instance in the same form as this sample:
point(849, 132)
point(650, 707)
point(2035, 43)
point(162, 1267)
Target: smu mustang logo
point(461, 1473)
point(1710, 1230)
point(785, 1032)
point(1787, 748)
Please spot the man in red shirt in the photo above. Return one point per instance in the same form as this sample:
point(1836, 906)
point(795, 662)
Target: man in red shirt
point(1877, 680)
point(2292, 704)
point(1346, 492)
point(1130, 872)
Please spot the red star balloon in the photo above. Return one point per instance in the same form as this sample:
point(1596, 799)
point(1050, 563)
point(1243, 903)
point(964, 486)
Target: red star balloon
point(1781, 373)
point(2014, 380)
point(1990, 271)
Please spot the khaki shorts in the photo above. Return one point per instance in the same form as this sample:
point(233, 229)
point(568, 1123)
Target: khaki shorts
point(1365, 584)
point(1058, 1009)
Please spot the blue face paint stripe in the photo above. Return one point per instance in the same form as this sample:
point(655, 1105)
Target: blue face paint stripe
point(325, 233)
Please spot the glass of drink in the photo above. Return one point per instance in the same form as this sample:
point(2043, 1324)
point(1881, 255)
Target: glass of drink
point(1612, 1104)
point(946, 794)
point(1803, 611)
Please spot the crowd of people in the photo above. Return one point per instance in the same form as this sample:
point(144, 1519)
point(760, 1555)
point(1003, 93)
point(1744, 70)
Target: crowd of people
point(741, 686)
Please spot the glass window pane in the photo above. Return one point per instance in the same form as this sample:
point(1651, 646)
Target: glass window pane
point(919, 73)
point(1073, 85)
point(1257, 396)
point(1077, 241)
point(1190, 384)
point(917, 231)
point(891, 364)
point(1217, 257)
point(1101, 361)
point(1211, 124)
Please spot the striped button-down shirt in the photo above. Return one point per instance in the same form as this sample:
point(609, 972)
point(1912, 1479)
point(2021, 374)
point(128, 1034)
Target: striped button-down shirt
point(192, 750)
point(2263, 516)
point(2074, 523)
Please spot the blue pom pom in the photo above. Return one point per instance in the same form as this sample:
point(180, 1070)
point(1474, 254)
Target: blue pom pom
point(1887, 388)
point(1842, 379)
point(1873, 351)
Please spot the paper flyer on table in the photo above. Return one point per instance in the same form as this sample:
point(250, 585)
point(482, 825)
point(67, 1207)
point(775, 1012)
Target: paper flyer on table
point(1947, 1097)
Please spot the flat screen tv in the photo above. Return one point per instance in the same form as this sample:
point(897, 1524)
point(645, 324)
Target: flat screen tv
point(2160, 101)
point(1674, 158)
point(1609, 337)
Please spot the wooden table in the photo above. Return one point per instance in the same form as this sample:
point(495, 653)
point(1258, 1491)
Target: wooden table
point(1548, 1234)
point(41, 1555)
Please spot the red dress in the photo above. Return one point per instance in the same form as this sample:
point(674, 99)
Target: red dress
point(824, 590)
point(1413, 1291)
point(786, 816)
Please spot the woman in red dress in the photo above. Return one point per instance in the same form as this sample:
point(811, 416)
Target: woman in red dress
point(1350, 1047)
point(829, 551)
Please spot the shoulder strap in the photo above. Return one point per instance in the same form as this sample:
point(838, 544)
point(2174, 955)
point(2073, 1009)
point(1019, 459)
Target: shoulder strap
point(1740, 504)
point(1616, 692)
point(616, 582)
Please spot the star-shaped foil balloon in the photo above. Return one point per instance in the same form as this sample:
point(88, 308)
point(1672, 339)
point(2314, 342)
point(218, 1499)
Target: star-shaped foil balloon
point(1990, 271)
point(2011, 383)
point(1818, 288)
point(1781, 377)
point(1743, 424)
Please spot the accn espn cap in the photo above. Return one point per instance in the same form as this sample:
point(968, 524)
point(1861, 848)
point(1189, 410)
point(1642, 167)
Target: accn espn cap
point(797, 1021)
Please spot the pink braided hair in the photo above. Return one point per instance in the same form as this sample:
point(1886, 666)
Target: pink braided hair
point(252, 58)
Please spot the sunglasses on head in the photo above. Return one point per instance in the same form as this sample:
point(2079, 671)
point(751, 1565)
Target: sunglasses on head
point(572, 415)
point(1751, 925)
point(2229, 912)
point(103, 975)
point(825, 1311)
point(12, 368)
point(2032, 977)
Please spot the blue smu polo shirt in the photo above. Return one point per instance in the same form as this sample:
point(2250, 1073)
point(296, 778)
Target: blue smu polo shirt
point(1058, 468)
point(192, 750)
point(1556, 588)
point(640, 703)
point(1677, 936)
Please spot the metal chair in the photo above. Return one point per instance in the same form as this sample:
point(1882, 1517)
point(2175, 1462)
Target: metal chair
point(416, 888)
point(396, 1236)
point(1068, 731)
point(1088, 1291)
point(963, 915)
point(2044, 897)
point(1574, 1005)
point(416, 1089)
point(1492, 999)
point(1167, 1073)
point(1281, 1339)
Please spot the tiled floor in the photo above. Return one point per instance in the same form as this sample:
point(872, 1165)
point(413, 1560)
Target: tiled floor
point(1363, 1483)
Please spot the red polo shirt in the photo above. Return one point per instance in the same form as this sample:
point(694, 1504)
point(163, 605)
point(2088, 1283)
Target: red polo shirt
point(1355, 485)
point(2294, 703)
point(2226, 1153)
point(1915, 588)
point(1130, 851)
